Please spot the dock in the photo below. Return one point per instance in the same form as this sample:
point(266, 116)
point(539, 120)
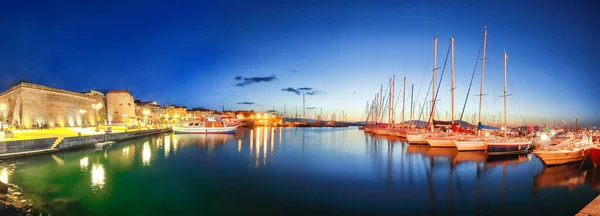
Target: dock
point(104, 144)
point(591, 209)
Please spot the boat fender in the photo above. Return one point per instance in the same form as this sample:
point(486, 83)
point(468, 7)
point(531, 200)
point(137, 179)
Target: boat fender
point(201, 124)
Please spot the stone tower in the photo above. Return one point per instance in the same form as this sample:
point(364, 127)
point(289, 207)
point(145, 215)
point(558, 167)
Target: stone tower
point(120, 107)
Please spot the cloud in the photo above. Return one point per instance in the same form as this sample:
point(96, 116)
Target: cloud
point(305, 90)
point(246, 103)
point(290, 89)
point(294, 71)
point(251, 80)
point(314, 92)
point(271, 111)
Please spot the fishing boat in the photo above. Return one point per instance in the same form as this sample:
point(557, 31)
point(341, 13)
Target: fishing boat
point(204, 128)
point(505, 145)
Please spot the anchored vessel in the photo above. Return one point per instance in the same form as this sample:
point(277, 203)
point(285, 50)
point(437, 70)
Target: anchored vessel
point(204, 128)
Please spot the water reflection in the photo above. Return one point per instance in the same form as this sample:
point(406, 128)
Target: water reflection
point(567, 175)
point(334, 168)
point(146, 154)
point(126, 152)
point(4, 175)
point(167, 149)
point(83, 163)
point(98, 176)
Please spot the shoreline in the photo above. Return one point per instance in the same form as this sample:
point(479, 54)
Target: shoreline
point(12, 199)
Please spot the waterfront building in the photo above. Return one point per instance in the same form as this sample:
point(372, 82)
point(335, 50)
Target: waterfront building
point(200, 112)
point(149, 111)
point(120, 107)
point(27, 105)
point(173, 112)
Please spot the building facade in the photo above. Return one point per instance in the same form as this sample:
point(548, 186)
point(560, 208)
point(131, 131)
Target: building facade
point(175, 112)
point(120, 107)
point(29, 105)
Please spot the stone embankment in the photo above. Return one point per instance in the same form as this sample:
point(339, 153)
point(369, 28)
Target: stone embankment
point(22, 148)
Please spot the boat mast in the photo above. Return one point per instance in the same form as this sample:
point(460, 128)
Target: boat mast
point(433, 83)
point(482, 74)
point(380, 112)
point(452, 122)
point(505, 58)
point(391, 102)
point(412, 88)
point(403, 99)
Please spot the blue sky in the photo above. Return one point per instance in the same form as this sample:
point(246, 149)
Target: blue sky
point(190, 53)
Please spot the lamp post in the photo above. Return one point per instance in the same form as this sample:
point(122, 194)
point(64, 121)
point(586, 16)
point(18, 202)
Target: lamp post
point(97, 107)
point(82, 112)
point(3, 109)
point(146, 112)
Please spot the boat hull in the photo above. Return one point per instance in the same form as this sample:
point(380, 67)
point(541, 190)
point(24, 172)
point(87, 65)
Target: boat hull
point(508, 148)
point(470, 145)
point(560, 156)
point(593, 156)
point(416, 139)
point(445, 142)
point(204, 130)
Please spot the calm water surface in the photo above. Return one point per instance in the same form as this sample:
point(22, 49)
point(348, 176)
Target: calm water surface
point(295, 171)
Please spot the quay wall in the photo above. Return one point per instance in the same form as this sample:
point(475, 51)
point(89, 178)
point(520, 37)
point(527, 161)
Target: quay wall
point(17, 146)
point(25, 145)
point(84, 141)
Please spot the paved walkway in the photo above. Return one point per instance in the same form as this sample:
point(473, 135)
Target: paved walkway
point(591, 209)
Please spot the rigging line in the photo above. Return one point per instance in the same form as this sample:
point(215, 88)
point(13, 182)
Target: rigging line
point(382, 111)
point(472, 76)
point(423, 79)
point(440, 83)
point(424, 102)
point(395, 105)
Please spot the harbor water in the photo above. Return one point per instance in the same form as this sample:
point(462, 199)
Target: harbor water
point(295, 171)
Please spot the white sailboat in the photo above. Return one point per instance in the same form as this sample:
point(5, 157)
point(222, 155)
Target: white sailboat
point(469, 143)
point(507, 146)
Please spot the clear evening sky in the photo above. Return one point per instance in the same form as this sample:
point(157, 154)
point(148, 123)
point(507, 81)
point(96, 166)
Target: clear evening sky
point(241, 54)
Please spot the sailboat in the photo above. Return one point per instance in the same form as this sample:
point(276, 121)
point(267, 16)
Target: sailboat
point(441, 140)
point(474, 143)
point(507, 146)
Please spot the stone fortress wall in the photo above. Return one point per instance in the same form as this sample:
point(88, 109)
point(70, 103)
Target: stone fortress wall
point(28, 105)
point(120, 107)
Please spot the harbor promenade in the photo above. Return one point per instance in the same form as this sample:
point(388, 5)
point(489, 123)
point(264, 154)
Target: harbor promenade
point(35, 142)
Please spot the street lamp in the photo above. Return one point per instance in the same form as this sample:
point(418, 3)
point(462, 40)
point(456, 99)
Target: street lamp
point(97, 107)
point(82, 112)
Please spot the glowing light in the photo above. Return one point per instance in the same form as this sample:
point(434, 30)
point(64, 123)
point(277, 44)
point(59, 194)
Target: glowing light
point(175, 144)
point(239, 145)
point(98, 176)
point(126, 151)
point(544, 137)
point(487, 133)
point(83, 163)
point(167, 149)
point(4, 175)
point(553, 133)
point(146, 154)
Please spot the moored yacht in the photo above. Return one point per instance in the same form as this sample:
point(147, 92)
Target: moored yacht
point(202, 127)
